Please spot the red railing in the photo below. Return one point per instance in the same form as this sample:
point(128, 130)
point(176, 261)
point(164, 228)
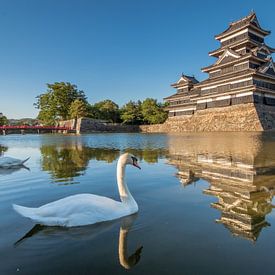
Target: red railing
point(36, 127)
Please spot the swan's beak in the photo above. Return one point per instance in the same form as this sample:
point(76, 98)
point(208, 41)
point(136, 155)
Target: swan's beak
point(136, 165)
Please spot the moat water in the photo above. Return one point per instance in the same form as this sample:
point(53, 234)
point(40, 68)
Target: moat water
point(205, 204)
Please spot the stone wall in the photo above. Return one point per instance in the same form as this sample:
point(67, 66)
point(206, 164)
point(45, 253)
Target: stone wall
point(243, 117)
point(88, 125)
point(266, 116)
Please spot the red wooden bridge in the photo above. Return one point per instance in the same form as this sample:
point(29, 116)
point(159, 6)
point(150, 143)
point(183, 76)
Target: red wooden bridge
point(22, 128)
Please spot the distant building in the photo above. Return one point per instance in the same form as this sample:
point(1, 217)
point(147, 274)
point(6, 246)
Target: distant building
point(1, 115)
point(243, 73)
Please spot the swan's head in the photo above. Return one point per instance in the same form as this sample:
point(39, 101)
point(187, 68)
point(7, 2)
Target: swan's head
point(130, 159)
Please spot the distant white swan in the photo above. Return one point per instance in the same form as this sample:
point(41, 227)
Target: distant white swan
point(84, 209)
point(9, 162)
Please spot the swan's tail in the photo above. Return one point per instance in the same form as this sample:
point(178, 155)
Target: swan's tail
point(35, 215)
point(25, 211)
point(25, 160)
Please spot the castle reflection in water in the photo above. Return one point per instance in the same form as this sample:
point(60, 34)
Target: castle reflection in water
point(240, 169)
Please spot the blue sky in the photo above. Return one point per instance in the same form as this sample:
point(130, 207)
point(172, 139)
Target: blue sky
point(120, 49)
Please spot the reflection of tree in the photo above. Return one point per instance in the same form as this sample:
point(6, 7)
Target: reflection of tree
point(65, 163)
point(104, 154)
point(150, 155)
point(3, 149)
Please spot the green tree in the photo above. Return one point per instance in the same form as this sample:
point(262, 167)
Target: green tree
point(93, 112)
point(107, 110)
point(3, 121)
point(152, 111)
point(131, 113)
point(78, 109)
point(55, 103)
point(47, 114)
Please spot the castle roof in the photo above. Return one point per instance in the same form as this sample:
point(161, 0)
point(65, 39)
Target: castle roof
point(267, 67)
point(265, 48)
point(247, 21)
point(185, 80)
point(226, 77)
point(237, 43)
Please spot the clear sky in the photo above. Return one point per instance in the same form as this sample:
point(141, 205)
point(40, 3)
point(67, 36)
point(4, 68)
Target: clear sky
point(118, 49)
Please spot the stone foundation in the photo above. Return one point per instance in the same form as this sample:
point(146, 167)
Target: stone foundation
point(243, 117)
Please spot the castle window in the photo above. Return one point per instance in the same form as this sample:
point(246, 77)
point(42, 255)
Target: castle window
point(255, 37)
point(253, 66)
point(264, 84)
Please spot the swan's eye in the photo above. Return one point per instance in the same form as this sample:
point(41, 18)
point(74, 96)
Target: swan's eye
point(134, 160)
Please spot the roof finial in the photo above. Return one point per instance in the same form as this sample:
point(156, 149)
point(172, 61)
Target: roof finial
point(252, 11)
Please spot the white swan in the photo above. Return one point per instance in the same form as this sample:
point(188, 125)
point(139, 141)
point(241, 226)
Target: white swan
point(86, 209)
point(9, 162)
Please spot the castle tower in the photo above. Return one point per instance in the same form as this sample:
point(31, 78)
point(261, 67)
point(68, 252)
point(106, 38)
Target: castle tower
point(241, 79)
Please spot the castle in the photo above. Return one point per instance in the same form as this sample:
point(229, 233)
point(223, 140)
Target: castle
point(239, 93)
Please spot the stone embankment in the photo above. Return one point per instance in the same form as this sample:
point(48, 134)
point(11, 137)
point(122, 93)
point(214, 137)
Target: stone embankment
point(248, 117)
point(233, 118)
point(87, 125)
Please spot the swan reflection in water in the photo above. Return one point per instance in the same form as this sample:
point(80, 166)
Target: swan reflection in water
point(240, 170)
point(87, 233)
point(125, 261)
point(8, 171)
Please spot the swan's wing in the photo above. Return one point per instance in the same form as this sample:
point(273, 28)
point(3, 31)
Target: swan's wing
point(75, 210)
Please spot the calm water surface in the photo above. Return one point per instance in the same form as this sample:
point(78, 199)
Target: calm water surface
point(205, 204)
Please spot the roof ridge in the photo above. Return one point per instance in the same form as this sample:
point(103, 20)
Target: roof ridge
point(251, 14)
point(192, 76)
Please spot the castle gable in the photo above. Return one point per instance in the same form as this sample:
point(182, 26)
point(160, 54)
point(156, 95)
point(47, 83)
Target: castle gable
point(228, 56)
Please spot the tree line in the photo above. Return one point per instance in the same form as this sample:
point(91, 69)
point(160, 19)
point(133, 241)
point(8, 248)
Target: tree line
point(63, 101)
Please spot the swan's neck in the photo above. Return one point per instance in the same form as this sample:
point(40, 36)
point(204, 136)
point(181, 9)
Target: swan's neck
point(124, 192)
